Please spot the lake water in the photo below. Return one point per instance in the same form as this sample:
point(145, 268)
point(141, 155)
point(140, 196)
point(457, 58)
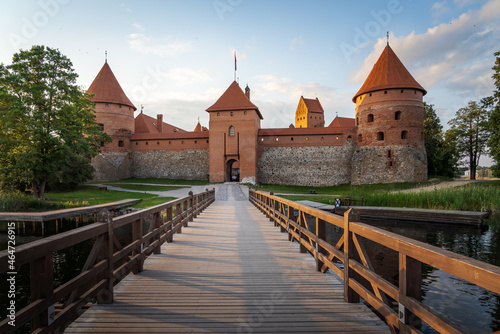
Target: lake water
point(473, 309)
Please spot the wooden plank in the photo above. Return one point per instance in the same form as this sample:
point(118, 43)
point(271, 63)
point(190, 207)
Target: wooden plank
point(232, 271)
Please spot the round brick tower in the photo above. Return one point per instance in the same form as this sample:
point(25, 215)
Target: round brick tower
point(390, 125)
point(115, 114)
point(114, 111)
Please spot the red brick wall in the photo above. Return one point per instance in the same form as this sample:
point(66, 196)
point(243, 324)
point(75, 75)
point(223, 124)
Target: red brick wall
point(383, 106)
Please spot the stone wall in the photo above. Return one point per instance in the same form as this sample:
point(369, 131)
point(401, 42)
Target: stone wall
point(389, 164)
point(112, 166)
point(306, 166)
point(186, 164)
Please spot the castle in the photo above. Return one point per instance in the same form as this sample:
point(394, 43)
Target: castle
point(384, 143)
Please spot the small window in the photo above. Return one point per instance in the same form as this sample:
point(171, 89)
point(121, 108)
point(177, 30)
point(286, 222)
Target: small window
point(370, 94)
point(389, 153)
point(385, 92)
point(307, 138)
point(136, 143)
point(360, 138)
point(380, 136)
point(397, 115)
point(231, 130)
point(401, 91)
point(107, 105)
point(120, 106)
point(102, 144)
point(357, 121)
point(157, 143)
point(231, 114)
point(245, 112)
point(101, 126)
point(120, 143)
point(348, 137)
point(291, 139)
point(370, 118)
point(218, 114)
point(277, 139)
point(147, 143)
point(207, 141)
point(404, 134)
point(196, 142)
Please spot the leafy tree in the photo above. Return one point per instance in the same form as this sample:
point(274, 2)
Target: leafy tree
point(494, 122)
point(48, 131)
point(441, 155)
point(470, 130)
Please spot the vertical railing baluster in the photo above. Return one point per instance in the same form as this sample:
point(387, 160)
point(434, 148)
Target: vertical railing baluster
point(320, 234)
point(41, 286)
point(410, 279)
point(350, 295)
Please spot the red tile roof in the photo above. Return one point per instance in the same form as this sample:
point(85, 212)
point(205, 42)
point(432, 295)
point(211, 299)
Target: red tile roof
point(106, 88)
point(200, 128)
point(313, 105)
point(147, 124)
point(234, 99)
point(342, 122)
point(388, 73)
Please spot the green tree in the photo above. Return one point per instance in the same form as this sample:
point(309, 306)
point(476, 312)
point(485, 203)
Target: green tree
point(48, 131)
point(469, 129)
point(441, 155)
point(494, 122)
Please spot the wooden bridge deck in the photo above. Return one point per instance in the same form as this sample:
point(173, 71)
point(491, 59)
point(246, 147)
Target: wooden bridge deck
point(230, 271)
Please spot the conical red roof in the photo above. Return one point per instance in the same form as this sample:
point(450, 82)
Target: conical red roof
point(234, 99)
point(106, 88)
point(388, 73)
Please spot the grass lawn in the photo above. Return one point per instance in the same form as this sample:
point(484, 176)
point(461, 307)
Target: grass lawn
point(342, 190)
point(92, 196)
point(143, 187)
point(161, 181)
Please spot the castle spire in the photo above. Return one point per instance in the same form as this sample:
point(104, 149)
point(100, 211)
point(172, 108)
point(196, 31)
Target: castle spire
point(388, 73)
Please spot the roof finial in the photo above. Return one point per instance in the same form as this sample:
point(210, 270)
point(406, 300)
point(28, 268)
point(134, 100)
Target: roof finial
point(106, 56)
point(336, 114)
point(142, 108)
point(198, 119)
point(387, 38)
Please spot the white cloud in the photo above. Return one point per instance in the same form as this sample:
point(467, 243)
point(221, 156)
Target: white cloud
point(439, 8)
point(187, 76)
point(297, 41)
point(169, 47)
point(439, 56)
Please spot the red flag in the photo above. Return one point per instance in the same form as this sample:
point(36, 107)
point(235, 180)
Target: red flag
point(235, 60)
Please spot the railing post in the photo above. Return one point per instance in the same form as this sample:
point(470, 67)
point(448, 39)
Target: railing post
point(291, 217)
point(170, 223)
point(157, 224)
point(185, 212)
point(178, 214)
point(320, 234)
point(350, 295)
point(410, 280)
point(191, 207)
point(282, 211)
point(136, 235)
point(302, 225)
point(41, 286)
point(106, 296)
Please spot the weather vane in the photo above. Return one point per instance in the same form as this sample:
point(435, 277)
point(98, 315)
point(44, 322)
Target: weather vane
point(106, 56)
point(387, 38)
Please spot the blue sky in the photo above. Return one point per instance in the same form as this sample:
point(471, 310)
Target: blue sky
point(176, 56)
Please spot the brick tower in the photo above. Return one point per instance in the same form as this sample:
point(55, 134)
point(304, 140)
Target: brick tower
point(234, 126)
point(390, 125)
point(115, 113)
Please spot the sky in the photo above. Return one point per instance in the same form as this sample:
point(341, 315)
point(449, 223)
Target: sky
point(176, 57)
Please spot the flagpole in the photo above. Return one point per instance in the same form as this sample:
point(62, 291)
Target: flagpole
point(235, 68)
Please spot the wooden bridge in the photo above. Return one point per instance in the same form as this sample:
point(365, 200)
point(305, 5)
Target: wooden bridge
point(232, 270)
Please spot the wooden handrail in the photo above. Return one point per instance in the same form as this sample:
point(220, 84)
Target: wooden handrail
point(349, 260)
point(107, 263)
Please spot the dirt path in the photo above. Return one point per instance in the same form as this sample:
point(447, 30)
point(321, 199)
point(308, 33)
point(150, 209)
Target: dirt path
point(442, 185)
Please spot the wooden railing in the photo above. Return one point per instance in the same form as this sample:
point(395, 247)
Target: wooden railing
point(109, 262)
point(400, 305)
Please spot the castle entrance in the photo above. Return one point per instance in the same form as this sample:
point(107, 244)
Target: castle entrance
point(232, 171)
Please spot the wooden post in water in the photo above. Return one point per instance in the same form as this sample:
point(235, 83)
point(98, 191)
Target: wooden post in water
point(350, 295)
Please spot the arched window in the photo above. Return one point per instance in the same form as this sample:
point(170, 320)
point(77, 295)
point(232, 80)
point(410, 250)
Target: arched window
point(370, 118)
point(397, 115)
point(404, 134)
point(380, 136)
point(231, 130)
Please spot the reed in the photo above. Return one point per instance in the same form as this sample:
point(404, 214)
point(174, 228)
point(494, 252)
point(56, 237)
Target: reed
point(477, 197)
